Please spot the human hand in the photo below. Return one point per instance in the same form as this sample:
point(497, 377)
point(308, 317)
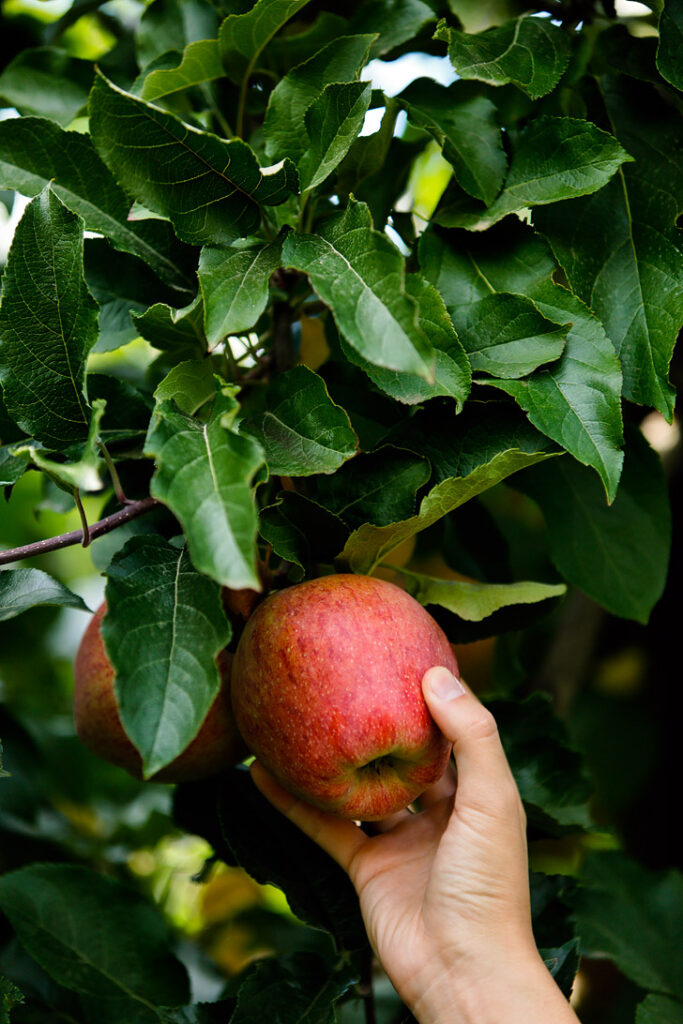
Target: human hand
point(444, 893)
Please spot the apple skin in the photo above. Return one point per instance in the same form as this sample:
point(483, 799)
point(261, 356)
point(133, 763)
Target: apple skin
point(216, 746)
point(327, 693)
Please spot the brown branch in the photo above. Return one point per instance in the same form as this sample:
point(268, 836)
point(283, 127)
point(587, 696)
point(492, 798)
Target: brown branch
point(65, 540)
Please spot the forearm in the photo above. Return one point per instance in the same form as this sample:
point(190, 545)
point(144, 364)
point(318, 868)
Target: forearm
point(525, 994)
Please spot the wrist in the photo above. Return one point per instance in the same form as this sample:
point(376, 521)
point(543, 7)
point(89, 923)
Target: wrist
point(520, 990)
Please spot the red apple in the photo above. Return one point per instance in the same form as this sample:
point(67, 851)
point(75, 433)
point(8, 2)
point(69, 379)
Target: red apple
point(326, 691)
point(216, 746)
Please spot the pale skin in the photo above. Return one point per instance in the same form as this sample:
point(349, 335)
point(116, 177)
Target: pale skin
point(444, 892)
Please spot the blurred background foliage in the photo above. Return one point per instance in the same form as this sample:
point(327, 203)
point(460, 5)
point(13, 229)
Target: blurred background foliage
point(613, 681)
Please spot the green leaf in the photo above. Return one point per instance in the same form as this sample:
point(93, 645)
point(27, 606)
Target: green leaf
point(476, 601)
point(301, 429)
point(338, 61)
point(556, 158)
point(293, 989)
point(127, 410)
point(670, 47)
point(616, 554)
point(190, 385)
point(464, 124)
point(203, 474)
point(234, 285)
point(122, 285)
point(28, 83)
point(178, 331)
point(372, 416)
point(35, 152)
point(452, 372)
point(332, 123)
point(201, 63)
point(12, 464)
point(360, 275)
point(457, 447)
point(21, 589)
point(163, 629)
point(368, 154)
point(378, 488)
point(94, 935)
point(168, 25)
point(577, 401)
point(273, 850)
point(548, 771)
point(507, 336)
point(477, 15)
point(82, 470)
point(302, 532)
point(10, 995)
point(478, 470)
point(243, 36)
point(532, 53)
point(634, 916)
point(48, 324)
point(621, 249)
point(209, 189)
point(656, 1009)
point(395, 22)
point(563, 964)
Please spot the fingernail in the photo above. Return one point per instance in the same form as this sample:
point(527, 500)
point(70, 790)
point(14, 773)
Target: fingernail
point(444, 685)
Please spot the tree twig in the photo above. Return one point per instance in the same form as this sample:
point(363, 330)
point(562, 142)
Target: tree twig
point(65, 540)
point(365, 989)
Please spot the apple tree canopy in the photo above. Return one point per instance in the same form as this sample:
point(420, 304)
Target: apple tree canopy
point(296, 287)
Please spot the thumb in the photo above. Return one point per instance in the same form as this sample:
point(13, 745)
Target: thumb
point(483, 769)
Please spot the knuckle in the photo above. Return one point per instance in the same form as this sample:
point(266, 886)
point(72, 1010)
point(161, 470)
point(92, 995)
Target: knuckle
point(484, 726)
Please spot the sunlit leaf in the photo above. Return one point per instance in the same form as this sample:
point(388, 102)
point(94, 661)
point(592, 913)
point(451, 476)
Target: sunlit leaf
point(476, 601)
point(204, 472)
point(332, 122)
point(301, 429)
point(575, 401)
point(338, 61)
point(360, 275)
point(234, 284)
point(556, 158)
point(243, 36)
point(201, 63)
point(530, 52)
point(452, 371)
